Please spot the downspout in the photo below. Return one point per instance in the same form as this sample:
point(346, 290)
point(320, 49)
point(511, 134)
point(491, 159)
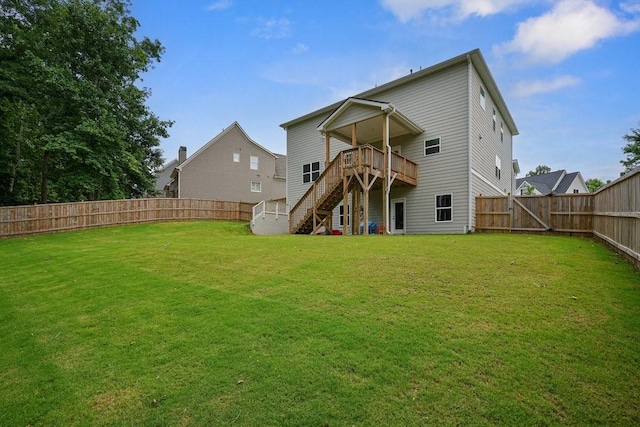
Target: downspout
point(388, 178)
point(469, 148)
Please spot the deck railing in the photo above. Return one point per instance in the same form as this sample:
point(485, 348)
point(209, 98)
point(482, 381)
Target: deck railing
point(359, 160)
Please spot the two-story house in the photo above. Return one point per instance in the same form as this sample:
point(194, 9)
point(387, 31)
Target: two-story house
point(408, 156)
point(230, 167)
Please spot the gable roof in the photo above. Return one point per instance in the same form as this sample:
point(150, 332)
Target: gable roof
point(234, 125)
point(399, 124)
point(474, 57)
point(566, 182)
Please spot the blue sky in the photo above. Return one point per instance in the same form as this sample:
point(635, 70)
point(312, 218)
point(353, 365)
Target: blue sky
point(568, 69)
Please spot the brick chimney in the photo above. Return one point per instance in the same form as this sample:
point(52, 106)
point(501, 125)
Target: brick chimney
point(182, 154)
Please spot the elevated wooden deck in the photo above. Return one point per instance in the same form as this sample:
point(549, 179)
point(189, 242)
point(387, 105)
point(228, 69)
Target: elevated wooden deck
point(364, 163)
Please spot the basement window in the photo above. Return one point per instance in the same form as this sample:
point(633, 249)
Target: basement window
point(310, 172)
point(444, 208)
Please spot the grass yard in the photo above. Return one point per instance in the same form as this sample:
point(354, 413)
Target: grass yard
point(201, 323)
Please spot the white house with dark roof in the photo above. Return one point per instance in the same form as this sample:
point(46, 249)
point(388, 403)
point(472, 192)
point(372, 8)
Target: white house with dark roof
point(408, 156)
point(557, 182)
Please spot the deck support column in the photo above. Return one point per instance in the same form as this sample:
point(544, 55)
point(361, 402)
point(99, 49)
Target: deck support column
point(327, 149)
point(345, 205)
point(385, 181)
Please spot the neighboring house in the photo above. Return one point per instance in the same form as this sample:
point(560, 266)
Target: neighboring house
point(558, 182)
point(231, 167)
point(163, 176)
point(412, 154)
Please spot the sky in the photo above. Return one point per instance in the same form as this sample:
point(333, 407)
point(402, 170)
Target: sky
point(569, 70)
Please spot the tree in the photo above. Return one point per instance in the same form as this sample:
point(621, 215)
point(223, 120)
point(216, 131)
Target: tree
point(632, 150)
point(541, 169)
point(73, 122)
point(593, 184)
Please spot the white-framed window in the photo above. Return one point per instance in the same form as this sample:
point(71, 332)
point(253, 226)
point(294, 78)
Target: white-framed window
point(256, 187)
point(494, 119)
point(253, 163)
point(431, 146)
point(342, 215)
point(498, 167)
point(310, 172)
point(236, 157)
point(444, 208)
point(483, 99)
point(501, 132)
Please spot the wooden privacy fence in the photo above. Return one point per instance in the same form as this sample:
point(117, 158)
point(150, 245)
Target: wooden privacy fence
point(32, 219)
point(612, 214)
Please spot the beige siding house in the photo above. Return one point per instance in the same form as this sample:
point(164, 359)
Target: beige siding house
point(411, 154)
point(231, 167)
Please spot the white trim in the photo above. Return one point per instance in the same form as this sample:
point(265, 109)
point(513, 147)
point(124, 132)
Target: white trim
point(486, 181)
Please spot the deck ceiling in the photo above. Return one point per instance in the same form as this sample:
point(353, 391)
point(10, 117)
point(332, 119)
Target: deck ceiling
point(369, 131)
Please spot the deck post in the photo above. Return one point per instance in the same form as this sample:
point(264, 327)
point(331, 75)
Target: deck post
point(345, 205)
point(327, 149)
point(385, 181)
point(366, 203)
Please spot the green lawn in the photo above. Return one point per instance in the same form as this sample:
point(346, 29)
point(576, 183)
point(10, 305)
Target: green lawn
point(201, 323)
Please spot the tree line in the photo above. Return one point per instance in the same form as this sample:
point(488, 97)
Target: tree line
point(74, 124)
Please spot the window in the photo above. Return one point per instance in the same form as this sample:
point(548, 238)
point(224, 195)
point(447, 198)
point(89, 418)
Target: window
point(444, 208)
point(501, 132)
point(498, 167)
point(342, 215)
point(236, 157)
point(494, 119)
point(483, 98)
point(256, 187)
point(576, 191)
point(431, 146)
point(254, 163)
point(310, 172)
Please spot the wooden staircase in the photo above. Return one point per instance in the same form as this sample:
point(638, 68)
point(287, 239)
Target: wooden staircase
point(329, 189)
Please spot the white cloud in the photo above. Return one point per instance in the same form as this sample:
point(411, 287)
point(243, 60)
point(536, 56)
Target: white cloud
point(533, 87)
point(571, 26)
point(406, 10)
point(220, 5)
point(300, 48)
point(273, 28)
point(630, 6)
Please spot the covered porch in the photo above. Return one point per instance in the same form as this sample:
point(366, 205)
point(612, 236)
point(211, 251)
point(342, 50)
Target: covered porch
point(369, 127)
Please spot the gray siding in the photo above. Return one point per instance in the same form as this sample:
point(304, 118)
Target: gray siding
point(212, 173)
point(485, 149)
point(442, 103)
